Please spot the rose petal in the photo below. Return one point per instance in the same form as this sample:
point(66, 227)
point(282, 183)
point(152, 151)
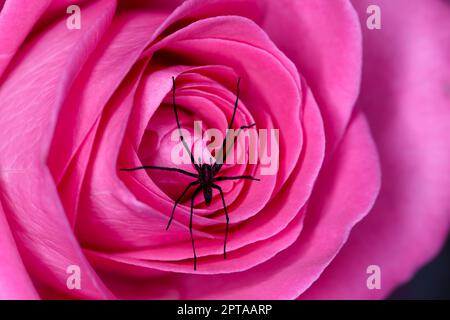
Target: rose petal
point(17, 17)
point(31, 96)
point(406, 94)
point(14, 280)
point(326, 50)
point(78, 120)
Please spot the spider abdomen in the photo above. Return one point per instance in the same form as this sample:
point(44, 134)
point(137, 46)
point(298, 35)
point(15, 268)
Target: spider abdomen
point(207, 193)
point(206, 181)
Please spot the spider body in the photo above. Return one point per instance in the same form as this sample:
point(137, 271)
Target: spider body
point(206, 176)
point(206, 181)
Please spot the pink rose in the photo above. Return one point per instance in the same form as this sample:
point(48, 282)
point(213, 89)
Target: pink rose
point(363, 172)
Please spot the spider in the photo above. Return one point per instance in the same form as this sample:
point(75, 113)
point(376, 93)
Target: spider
point(206, 176)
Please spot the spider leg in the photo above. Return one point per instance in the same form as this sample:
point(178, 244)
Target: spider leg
point(161, 168)
point(235, 178)
point(224, 142)
point(235, 103)
point(215, 186)
point(218, 166)
point(179, 127)
point(190, 225)
point(179, 199)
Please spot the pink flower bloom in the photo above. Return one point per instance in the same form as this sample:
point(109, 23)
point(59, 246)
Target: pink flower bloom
point(362, 115)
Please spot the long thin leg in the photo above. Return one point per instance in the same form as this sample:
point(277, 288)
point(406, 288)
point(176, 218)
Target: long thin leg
point(215, 186)
point(237, 135)
point(235, 178)
point(235, 104)
point(178, 201)
point(162, 168)
point(179, 127)
point(217, 166)
point(224, 142)
point(190, 225)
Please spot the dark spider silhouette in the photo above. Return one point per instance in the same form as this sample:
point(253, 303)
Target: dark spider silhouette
point(206, 174)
